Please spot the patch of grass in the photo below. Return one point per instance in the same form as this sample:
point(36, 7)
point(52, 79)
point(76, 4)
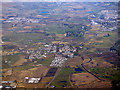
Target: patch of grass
point(63, 77)
point(107, 73)
point(46, 61)
point(107, 41)
point(55, 29)
point(11, 59)
point(25, 67)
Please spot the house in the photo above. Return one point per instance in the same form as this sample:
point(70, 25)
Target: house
point(34, 80)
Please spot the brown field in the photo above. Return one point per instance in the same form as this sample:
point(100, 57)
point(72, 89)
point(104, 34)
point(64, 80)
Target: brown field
point(26, 85)
point(86, 80)
point(13, 43)
point(46, 79)
point(59, 42)
point(97, 84)
point(88, 34)
point(98, 62)
point(41, 84)
point(6, 72)
point(27, 27)
point(34, 72)
point(60, 35)
point(73, 62)
point(92, 50)
point(8, 52)
point(21, 61)
point(102, 34)
point(94, 40)
point(82, 78)
point(41, 71)
point(96, 27)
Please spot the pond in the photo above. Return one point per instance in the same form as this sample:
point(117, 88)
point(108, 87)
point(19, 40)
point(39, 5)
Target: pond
point(63, 81)
point(78, 69)
point(44, 12)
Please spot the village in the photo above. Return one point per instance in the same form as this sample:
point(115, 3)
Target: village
point(61, 54)
point(106, 18)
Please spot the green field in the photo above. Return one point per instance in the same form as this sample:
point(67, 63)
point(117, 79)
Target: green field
point(25, 38)
point(45, 61)
point(107, 73)
point(25, 67)
point(63, 77)
point(11, 59)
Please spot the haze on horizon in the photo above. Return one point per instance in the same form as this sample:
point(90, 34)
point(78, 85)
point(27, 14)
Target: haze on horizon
point(59, 0)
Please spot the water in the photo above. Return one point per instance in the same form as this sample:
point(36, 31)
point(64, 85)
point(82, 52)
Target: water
point(44, 12)
point(78, 69)
point(63, 81)
point(90, 12)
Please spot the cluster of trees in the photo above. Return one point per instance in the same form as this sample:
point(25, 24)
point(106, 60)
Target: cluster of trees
point(74, 33)
point(76, 30)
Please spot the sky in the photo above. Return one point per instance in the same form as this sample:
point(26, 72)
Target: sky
point(59, 0)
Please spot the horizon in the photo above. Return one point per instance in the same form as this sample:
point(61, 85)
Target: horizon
point(59, 0)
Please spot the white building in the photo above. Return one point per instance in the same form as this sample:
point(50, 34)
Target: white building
point(34, 80)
